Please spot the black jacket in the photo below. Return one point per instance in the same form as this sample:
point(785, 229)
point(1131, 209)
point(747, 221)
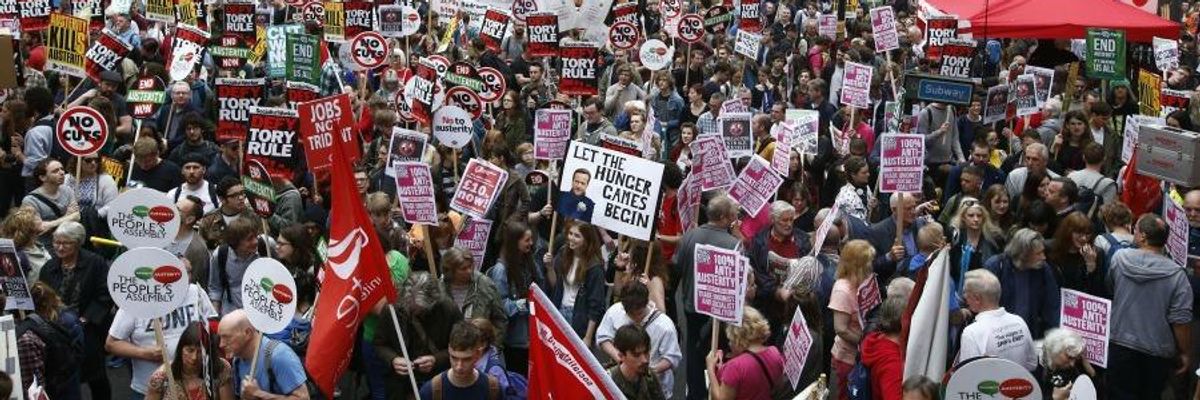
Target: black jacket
point(95, 304)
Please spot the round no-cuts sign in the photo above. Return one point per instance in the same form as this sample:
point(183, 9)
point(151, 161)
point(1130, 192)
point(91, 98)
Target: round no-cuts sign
point(656, 55)
point(369, 50)
point(452, 126)
point(467, 99)
point(81, 131)
point(493, 84)
point(623, 36)
point(148, 282)
point(268, 295)
point(691, 28)
point(143, 217)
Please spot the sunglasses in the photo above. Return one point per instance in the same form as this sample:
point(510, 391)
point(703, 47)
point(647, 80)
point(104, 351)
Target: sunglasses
point(91, 160)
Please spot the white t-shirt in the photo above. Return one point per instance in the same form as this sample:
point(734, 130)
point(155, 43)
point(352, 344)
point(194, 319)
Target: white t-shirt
point(999, 334)
point(201, 192)
point(570, 287)
point(140, 332)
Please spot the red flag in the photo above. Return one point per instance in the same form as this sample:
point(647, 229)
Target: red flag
point(560, 366)
point(356, 277)
point(1141, 193)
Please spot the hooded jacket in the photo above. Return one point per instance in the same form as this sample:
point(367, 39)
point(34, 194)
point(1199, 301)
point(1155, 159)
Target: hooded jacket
point(1150, 294)
point(882, 357)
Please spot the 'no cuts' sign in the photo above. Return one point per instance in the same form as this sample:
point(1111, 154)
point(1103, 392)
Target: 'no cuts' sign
point(81, 131)
point(369, 50)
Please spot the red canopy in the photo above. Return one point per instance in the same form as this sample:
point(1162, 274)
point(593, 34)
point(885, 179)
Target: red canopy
point(1057, 19)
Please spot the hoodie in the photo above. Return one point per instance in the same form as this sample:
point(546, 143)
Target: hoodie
point(882, 357)
point(1150, 294)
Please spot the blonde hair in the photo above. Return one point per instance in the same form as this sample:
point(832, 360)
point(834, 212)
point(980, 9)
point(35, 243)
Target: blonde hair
point(855, 262)
point(754, 329)
point(21, 225)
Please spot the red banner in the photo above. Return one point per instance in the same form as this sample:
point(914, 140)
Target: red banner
point(495, 23)
point(360, 17)
point(751, 17)
point(299, 92)
point(579, 69)
point(105, 54)
point(272, 140)
point(424, 86)
point(239, 20)
point(355, 278)
point(236, 96)
point(543, 35)
point(560, 365)
point(320, 121)
point(34, 15)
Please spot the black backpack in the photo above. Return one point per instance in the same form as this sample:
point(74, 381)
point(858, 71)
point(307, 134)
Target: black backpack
point(62, 352)
point(1090, 200)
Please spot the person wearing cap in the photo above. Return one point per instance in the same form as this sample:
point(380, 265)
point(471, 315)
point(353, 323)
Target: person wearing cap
point(225, 163)
point(194, 183)
point(110, 81)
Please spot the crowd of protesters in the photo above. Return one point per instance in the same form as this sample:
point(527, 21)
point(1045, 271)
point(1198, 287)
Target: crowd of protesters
point(1022, 208)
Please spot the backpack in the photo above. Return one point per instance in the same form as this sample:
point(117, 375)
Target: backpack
point(62, 350)
point(493, 386)
point(1114, 244)
point(858, 381)
point(313, 391)
point(1089, 200)
point(518, 386)
point(223, 258)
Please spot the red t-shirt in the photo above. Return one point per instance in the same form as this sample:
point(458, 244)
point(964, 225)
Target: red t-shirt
point(746, 375)
point(669, 224)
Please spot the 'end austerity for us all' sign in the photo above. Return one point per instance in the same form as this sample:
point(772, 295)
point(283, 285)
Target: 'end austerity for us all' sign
point(902, 163)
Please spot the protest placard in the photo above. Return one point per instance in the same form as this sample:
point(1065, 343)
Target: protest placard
point(1171, 100)
point(146, 96)
point(720, 289)
point(543, 35)
point(883, 28)
point(735, 129)
point(717, 18)
point(734, 106)
point(1043, 83)
point(421, 91)
point(1088, 316)
point(755, 185)
point(749, 17)
point(272, 140)
point(230, 51)
point(1149, 88)
point(34, 15)
point(320, 120)
point(688, 201)
point(335, 21)
point(260, 190)
point(902, 163)
point(143, 218)
point(12, 278)
point(987, 377)
point(66, 44)
point(748, 44)
point(1024, 95)
point(579, 76)
point(807, 123)
point(625, 13)
point(1132, 124)
point(303, 58)
point(1105, 53)
point(269, 295)
point(300, 92)
point(712, 166)
point(656, 55)
point(189, 44)
point(957, 56)
point(610, 189)
point(856, 85)
point(359, 17)
point(452, 126)
point(479, 188)
point(148, 282)
point(414, 191)
point(474, 238)
point(785, 137)
point(868, 297)
point(239, 20)
point(1177, 240)
point(621, 145)
point(996, 106)
point(236, 97)
point(191, 12)
point(827, 26)
point(796, 346)
point(160, 11)
point(495, 26)
point(105, 54)
point(1166, 54)
point(938, 32)
point(406, 146)
point(277, 50)
point(551, 132)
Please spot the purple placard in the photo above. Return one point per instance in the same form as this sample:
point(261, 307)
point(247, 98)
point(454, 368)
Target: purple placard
point(474, 238)
point(856, 85)
point(720, 285)
point(1177, 241)
point(755, 185)
point(902, 163)
point(552, 132)
point(1088, 315)
point(712, 165)
point(883, 28)
point(414, 190)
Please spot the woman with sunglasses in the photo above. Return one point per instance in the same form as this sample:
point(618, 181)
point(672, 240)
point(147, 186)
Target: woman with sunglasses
point(96, 187)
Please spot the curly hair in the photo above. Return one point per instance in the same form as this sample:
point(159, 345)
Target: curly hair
point(21, 226)
point(855, 263)
point(754, 329)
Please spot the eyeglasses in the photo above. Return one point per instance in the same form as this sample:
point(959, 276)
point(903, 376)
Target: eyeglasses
point(236, 194)
point(91, 160)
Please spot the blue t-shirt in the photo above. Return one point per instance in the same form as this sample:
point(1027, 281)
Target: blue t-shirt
point(286, 367)
point(477, 391)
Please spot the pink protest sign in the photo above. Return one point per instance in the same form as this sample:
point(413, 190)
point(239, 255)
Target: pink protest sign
point(856, 85)
point(481, 184)
point(755, 185)
point(551, 132)
point(474, 238)
point(883, 28)
point(902, 163)
point(1177, 240)
point(868, 297)
point(688, 201)
point(795, 347)
point(1088, 316)
point(712, 165)
point(720, 289)
point(414, 190)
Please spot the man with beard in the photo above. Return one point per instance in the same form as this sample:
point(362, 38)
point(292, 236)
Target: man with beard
point(194, 183)
point(110, 81)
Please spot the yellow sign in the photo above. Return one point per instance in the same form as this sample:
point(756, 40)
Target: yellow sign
point(66, 44)
point(1150, 89)
point(186, 9)
point(161, 11)
point(260, 45)
point(335, 21)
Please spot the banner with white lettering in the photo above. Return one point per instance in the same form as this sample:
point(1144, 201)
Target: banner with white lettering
point(495, 26)
point(320, 120)
point(480, 186)
point(755, 185)
point(938, 32)
point(957, 55)
point(609, 189)
point(423, 88)
point(106, 54)
point(856, 85)
point(883, 28)
point(551, 133)
point(272, 140)
point(474, 238)
point(712, 166)
point(415, 193)
point(277, 51)
point(902, 163)
point(236, 97)
point(796, 346)
point(721, 278)
point(580, 74)
point(34, 15)
point(1088, 316)
point(360, 17)
point(543, 35)
point(1177, 238)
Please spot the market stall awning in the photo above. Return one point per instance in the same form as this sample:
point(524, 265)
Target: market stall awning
point(1053, 19)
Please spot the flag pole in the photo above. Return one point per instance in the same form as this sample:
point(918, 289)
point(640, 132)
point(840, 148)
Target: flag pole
point(412, 379)
point(429, 250)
